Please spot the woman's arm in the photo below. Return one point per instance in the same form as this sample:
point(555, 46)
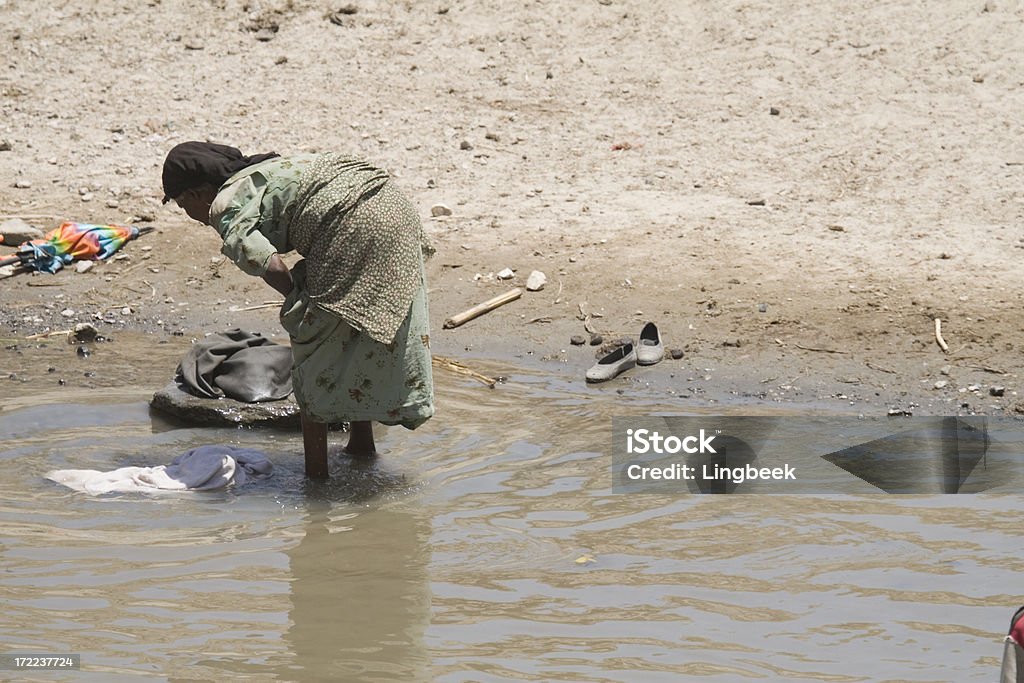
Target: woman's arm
point(277, 275)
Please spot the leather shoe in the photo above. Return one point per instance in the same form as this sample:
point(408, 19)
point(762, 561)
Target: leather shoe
point(650, 349)
point(611, 365)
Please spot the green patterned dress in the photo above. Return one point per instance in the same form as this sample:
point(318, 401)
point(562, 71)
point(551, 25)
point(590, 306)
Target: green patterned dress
point(357, 316)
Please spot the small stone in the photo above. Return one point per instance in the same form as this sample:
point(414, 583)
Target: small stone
point(946, 369)
point(6, 145)
point(112, 204)
point(126, 310)
point(23, 184)
point(83, 351)
point(87, 197)
point(762, 308)
point(464, 145)
point(265, 35)
point(67, 312)
point(900, 412)
point(978, 78)
point(774, 111)
point(596, 340)
point(973, 387)
point(536, 281)
point(84, 266)
point(440, 210)
point(676, 354)
point(281, 60)
point(506, 274)
point(941, 384)
point(577, 340)
point(997, 391)
point(493, 137)
point(755, 202)
point(193, 45)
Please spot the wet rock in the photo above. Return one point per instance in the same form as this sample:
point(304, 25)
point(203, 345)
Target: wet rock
point(84, 333)
point(440, 210)
point(536, 281)
point(224, 412)
point(505, 274)
point(997, 391)
point(596, 340)
point(578, 340)
point(15, 231)
point(83, 351)
point(675, 354)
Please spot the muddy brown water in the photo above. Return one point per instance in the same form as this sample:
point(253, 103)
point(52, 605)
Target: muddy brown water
point(485, 546)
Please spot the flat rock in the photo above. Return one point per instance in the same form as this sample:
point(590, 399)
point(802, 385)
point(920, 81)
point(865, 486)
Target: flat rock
point(536, 281)
point(506, 274)
point(440, 210)
point(225, 412)
point(16, 231)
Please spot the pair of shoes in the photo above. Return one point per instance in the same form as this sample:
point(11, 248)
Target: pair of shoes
point(613, 364)
point(650, 349)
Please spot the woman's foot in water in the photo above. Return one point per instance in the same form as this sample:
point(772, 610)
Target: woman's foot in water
point(360, 441)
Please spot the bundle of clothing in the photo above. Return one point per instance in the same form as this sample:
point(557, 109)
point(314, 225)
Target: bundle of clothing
point(204, 468)
point(244, 366)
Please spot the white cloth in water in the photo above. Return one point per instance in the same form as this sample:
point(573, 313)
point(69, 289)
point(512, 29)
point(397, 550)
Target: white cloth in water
point(200, 469)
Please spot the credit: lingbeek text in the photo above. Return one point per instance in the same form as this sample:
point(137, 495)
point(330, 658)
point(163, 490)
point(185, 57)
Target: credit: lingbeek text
point(681, 472)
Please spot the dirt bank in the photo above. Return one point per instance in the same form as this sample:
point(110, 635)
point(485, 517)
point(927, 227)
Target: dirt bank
point(793, 193)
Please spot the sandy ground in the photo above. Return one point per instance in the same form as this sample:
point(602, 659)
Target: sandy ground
point(792, 191)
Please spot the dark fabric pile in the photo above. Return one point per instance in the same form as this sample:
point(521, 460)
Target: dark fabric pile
point(244, 366)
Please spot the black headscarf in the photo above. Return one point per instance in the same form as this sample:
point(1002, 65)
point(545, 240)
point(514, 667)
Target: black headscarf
point(194, 164)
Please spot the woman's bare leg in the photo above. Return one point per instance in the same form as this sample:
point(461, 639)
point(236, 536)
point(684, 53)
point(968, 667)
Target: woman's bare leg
point(314, 443)
point(360, 440)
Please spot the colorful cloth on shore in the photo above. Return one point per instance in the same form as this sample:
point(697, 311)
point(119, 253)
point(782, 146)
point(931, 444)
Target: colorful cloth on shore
point(342, 374)
point(73, 241)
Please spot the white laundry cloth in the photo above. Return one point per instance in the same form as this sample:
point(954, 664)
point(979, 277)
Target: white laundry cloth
point(200, 469)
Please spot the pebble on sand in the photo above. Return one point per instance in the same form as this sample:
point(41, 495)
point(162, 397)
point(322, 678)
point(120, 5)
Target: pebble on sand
point(536, 281)
point(577, 340)
point(440, 210)
point(505, 274)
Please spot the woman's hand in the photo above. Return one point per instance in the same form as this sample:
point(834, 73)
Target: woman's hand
point(277, 275)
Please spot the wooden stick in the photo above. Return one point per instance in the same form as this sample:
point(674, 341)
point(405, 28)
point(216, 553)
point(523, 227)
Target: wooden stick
point(811, 348)
point(480, 309)
point(938, 336)
point(47, 335)
point(269, 304)
point(458, 367)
